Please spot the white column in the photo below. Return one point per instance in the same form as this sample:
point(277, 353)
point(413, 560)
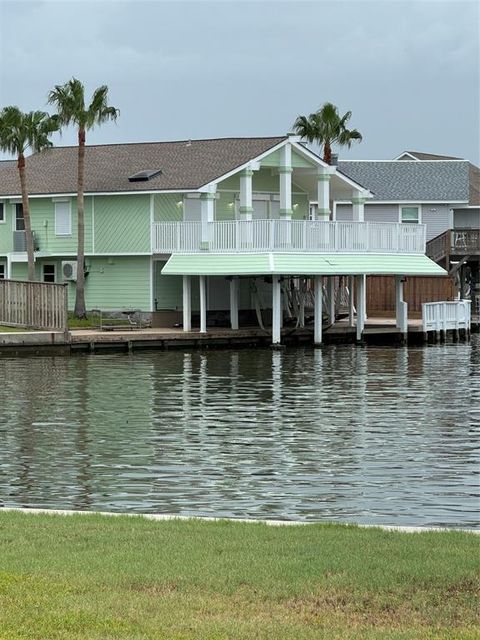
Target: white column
point(246, 202)
point(234, 282)
point(9, 267)
point(331, 298)
point(203, 304)
point(351, 297)
point(276, 310)
point(187, 303)
point(285, 170)
point(317, 312)
point(323, 196)
point(360, 306)
point(358, 202)
point(401, 307)
point(208, 216)
point(301, 308)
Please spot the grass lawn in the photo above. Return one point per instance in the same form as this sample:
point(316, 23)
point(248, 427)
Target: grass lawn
point(95, 577)
point(4, 329)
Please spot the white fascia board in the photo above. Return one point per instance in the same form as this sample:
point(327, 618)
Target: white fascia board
point(89, 194)
point(403, 161)
point(254, 160)
point(310, 155)
point(407, 202)
point(406, 153)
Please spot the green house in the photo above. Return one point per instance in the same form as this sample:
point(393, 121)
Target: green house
point(201, 229)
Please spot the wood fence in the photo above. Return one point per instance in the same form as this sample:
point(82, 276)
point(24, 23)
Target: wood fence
point(417, 290)
point(33, 305)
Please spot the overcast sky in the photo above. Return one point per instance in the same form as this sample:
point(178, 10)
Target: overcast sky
point(408, 70)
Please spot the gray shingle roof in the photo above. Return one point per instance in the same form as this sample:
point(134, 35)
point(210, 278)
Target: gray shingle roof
point(186, 164)
point(419, 181)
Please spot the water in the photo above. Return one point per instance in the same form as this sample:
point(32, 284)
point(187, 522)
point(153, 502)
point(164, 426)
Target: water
point(368, 435)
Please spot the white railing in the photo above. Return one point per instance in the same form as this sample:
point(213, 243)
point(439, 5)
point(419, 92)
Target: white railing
point(446, 316)
point(287, 235)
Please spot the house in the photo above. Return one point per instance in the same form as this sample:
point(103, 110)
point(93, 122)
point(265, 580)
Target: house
point(203, 227)
point(442, 192)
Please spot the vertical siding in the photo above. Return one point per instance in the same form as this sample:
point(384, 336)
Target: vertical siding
point(6, 229)
point(168, 290)
point(122, 224)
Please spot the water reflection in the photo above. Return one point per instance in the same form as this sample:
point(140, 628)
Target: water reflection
point(368, 435)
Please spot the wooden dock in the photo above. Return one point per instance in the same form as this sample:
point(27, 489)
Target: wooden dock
point(377, 331)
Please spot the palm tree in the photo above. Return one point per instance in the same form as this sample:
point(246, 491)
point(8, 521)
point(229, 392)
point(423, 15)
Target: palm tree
point(326, 127)
point(19, 132)
point(69, 99)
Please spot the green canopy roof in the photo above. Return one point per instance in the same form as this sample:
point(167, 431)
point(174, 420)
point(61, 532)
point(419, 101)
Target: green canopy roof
point(308, 264)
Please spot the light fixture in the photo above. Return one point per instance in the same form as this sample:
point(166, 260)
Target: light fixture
point(180, 203)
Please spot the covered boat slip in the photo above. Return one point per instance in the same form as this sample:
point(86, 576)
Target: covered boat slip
point(317, 267)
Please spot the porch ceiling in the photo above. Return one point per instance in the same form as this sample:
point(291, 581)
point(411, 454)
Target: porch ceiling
point(307, 264)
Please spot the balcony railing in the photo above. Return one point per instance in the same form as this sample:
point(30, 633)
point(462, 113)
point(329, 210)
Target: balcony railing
point(287, 235)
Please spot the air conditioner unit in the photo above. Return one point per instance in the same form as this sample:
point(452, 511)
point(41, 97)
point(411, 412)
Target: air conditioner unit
point(69, 270)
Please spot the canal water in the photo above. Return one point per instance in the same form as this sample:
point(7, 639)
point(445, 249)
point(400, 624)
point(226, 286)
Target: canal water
point(369, 435)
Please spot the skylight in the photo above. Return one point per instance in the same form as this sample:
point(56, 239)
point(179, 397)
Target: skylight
point(143, 176)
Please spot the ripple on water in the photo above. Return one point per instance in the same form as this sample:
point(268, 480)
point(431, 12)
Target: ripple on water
point(367, 435)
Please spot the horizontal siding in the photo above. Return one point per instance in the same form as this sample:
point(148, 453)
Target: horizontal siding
point(122, 224)
point(467, 218)
point(115, 283)
point(223, 206)
point(437, 219)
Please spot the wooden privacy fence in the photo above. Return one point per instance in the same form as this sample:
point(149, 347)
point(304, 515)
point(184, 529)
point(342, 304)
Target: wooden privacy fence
point(33, 305)
point(417, 290)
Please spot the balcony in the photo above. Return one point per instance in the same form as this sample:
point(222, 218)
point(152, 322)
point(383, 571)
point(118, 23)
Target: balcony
point(260, 236)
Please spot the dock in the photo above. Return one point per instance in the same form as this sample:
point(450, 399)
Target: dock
point(377, 331)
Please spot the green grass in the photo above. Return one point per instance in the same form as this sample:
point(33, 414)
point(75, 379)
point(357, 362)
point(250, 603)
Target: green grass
point(4, 329)
point(94, 577)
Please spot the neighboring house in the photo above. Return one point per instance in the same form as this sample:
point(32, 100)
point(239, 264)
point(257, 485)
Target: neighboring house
point(442, 192)
point(172, 227)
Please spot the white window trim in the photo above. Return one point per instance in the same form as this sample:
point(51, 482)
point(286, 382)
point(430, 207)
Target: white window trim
point(3, 219)
point(410, 206)
point(5, 268)
point(14, 221)
point(49, 264)
point(63, 200)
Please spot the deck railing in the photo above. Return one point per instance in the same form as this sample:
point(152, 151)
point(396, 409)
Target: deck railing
point(446, 316)
point(287, 235)
point(33, 305)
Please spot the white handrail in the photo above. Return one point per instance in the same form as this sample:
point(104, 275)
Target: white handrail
point(287, 235)
point(446, 316)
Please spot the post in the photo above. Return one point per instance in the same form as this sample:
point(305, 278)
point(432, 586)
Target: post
point(187, 303)
point(401, 307)
point(360, 306)
point(208, 216)
point(358, 211)
point(331, 299)
point(285, 171)
point(234, 282)
point(317, 312)
point(323, 195)
point(276, 310)
point(203, 304)
point(246, 202)
point(351, 295)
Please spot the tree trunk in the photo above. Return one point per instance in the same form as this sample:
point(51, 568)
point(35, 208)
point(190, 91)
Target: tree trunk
point(26, 217)
point(80, 311)
point(327, 153)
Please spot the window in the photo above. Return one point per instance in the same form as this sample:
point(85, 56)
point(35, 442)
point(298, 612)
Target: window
point(63, 219)
point(19, 220)
point(410, 214)
point(3, 271)
point(2, 212)
point(48, 273)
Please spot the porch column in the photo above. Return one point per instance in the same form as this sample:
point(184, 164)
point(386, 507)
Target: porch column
point(360, 306)
point(317, 311)
point(276, 310)
point(358, 202)
point(285, 170)
point(246, 202)
point(351, 296)
point(203, 304)
point(331, 298)
point(187, 303)
point(401, 307)
point(323, 195)
point(208, 215)
point(234, 282)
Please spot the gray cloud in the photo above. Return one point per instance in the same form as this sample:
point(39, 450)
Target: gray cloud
point(409, 71)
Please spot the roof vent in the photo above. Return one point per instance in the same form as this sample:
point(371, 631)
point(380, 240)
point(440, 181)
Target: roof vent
point(143, 176)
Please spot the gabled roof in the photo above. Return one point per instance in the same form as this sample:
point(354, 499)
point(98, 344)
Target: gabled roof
point(419, 155)
point(184, 165)
point(425, 181)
